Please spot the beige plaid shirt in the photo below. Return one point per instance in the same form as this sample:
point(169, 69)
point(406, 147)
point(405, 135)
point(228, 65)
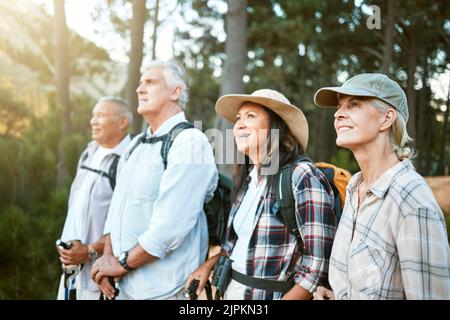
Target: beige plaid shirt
point(396, 246)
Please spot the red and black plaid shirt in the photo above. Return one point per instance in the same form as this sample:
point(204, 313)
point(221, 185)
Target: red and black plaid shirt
point(272, 252)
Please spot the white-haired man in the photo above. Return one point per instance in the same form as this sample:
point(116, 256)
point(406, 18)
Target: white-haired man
point(91, 192)
point(157, 227)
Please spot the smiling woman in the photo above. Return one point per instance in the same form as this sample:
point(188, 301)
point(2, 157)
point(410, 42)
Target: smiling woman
point(267, 261)
point(357, 123)
point(392, 240)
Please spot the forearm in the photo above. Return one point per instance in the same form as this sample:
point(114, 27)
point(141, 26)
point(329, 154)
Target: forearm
point(137, 257)
point(297, 293)
point(211, 262)
point(99, 245)
point(107, 248)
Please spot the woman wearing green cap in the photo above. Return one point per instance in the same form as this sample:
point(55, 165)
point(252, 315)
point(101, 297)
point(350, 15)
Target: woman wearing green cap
point(266, 261)
point(391, 242)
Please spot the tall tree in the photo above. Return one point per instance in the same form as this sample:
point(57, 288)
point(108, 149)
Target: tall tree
point(235, 64)
point(444, 137)
point(62, 78)
point(136, 54)
point(200, 46)
point(388, 37)
point(154, 39)
point(155, 29)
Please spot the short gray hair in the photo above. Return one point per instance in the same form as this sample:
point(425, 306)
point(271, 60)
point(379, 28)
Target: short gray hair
point(174, 74)
point(124, 109)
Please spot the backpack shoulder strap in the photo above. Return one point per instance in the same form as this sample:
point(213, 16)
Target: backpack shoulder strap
point(113, 171)
point(285, 197)
point(135, 145)
point(169, 139)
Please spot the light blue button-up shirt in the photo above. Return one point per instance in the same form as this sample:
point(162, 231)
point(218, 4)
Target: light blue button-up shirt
point(162, 210)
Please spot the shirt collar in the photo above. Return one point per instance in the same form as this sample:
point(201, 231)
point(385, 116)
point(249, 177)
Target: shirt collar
point(383, 183)
point(167, 125)
point(118, 149)
point(253, 176)
point(354, 181)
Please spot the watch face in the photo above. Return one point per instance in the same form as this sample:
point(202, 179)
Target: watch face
point(93, 254)
point(122, 256)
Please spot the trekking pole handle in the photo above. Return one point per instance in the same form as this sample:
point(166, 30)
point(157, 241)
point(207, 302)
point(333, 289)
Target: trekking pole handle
point(64, 245)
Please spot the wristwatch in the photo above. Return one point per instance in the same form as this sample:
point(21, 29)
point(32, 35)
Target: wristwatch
point(123, 260)
point(92, 253)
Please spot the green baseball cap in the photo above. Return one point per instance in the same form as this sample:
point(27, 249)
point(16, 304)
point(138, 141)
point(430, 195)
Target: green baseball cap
point(376, 85)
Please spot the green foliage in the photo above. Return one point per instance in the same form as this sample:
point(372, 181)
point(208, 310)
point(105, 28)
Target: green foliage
point(27, 250)
point(447, 222)
point(32, 208)
point(344, 158)
point(293, 46)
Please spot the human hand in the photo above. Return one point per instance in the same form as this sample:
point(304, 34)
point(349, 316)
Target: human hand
point(107, 287)
point(201, 275)
point(77, 254)
point(323, 293)
point(107, 265)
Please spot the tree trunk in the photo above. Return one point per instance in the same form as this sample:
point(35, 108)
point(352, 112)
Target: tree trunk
point(154, 39)
point(442, 163)
point(62, 78)
point(388, 37)
point(234, 68)
point(425, 130)
point(324, 138)
point(155, 29)
point(136, 53)
point(410, 91)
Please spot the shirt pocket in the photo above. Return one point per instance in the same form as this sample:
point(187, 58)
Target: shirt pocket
point(145, 182)
point(365, 269)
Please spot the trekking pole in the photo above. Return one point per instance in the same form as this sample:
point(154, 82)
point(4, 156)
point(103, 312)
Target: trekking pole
point(116, 289)
point(70, 273)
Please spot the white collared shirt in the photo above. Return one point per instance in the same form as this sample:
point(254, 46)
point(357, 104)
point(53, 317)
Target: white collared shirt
point(162, 210)
point(90, 196)
point(243, 221)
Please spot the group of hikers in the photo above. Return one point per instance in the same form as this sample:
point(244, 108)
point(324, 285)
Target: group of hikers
point(136, 226)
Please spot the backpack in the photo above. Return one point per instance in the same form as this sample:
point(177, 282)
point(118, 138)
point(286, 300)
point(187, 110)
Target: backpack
point(338, 179)
point(218, 208)
point(111, 174)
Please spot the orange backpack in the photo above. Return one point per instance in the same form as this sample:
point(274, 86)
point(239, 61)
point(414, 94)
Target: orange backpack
point(339, 178)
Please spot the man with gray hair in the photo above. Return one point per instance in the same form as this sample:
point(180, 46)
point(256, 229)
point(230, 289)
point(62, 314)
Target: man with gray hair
point(157, 228)
point(90, 196)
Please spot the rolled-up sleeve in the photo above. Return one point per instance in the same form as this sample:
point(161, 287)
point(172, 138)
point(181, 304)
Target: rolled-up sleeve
point(314, 213)
point(191, 175)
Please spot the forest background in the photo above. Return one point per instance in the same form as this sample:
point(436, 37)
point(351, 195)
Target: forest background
point(58, 57)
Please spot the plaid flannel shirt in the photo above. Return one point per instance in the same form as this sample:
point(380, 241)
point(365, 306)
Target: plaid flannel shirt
point(273, 253)
point(395, 245)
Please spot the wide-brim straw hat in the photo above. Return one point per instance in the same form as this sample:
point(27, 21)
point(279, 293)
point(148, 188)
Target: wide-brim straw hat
point(228, 106)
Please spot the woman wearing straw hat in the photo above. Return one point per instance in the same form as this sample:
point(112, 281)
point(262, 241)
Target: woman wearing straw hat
point(264, 254)
point(392, 241)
